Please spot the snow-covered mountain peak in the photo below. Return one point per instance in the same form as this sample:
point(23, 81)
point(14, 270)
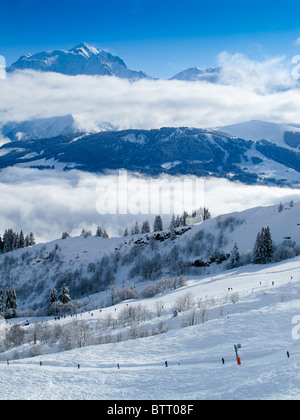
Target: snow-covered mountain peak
point(194, 74)
point(85, 50)
point(82, 59)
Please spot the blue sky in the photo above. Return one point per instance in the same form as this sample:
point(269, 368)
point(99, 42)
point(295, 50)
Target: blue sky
point(160, 37)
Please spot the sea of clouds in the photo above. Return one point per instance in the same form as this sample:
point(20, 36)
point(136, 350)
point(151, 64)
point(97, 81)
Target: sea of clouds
point(49, 203)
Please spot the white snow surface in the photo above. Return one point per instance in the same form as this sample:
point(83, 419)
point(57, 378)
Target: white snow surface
point(261, 130)
point(258, 312)
point(261, 321)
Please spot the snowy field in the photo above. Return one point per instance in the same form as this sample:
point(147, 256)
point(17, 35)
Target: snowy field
point(261, 321)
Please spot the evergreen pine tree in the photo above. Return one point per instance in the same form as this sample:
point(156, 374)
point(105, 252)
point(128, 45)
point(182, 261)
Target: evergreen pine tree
point(53, 296)
point(173, 232)
point(16, 241)
point(172, 227)
point(263, 249)
point(257, 252)
point(105, 234)
point(184, 217)
point(158, 224)
point(65, 235)
point(206, 214)
point(8, 239)
point(267, 245)
point(146, 227)
point(173, 222)
point(99, 232)
point(135, 229)
point(55, 307)
point(31, 239)
point(1, 303)
point(26, 241)
point(64, 297)
point(235, 257)
point(21, 240)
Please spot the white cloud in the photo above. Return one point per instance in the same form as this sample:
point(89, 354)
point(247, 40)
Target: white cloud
point(50, 203)
point(249, 91)
point(264, 77)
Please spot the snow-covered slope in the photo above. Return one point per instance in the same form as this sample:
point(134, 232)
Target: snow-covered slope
point(89, 265)
point(169, 150)
point(260, 317)
point(39, 128)
point(44, 128)
point(82, 59)
point(261, 130)
point(254, 305)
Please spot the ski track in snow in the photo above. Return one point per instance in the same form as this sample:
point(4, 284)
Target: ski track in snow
point(261, 321)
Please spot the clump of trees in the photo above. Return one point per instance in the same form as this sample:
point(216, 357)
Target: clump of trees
point(62, 303)
point(12, 240)
point(116, 295)
point(163, 285)
point(263, 248)
point(262, 253)
point(86, 233)
point(100, 233)
point(265, 251)
point(136, 229)
point(177, 221)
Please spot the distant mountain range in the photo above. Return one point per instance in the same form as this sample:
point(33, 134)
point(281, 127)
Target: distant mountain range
point(270, 157)
point(87, 60)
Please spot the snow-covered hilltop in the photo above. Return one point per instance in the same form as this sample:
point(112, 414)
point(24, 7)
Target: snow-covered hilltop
point(82, 59)
point(175, 151)
point(89, 265)
point(283, 135)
